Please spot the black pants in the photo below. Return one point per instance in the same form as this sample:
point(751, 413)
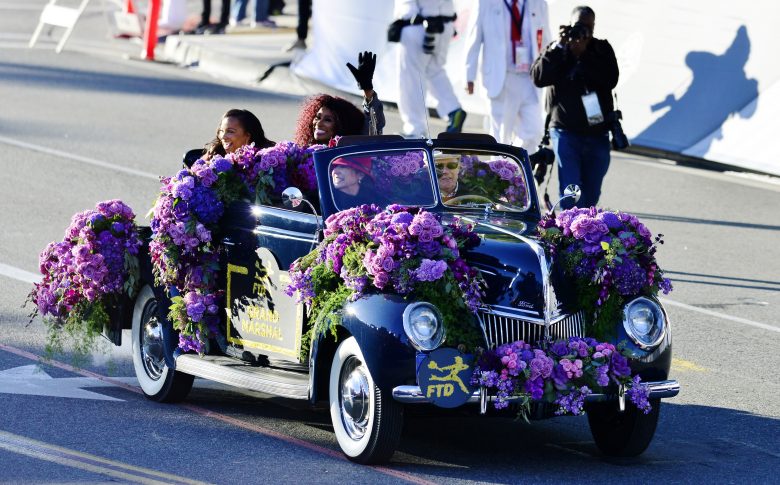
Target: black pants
point(205, 17)
point(304, 14)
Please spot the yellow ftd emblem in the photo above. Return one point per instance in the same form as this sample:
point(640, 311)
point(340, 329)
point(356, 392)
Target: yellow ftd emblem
point(444, 377)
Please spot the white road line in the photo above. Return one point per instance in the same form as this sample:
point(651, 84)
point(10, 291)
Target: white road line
point(19, 274)
point(78, 158)
point(711, 313)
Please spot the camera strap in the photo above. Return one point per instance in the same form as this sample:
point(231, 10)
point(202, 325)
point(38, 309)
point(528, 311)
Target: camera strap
point(546, 142)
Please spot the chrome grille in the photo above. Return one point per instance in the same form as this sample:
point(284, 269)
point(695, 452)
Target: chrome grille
point(569, 326)
point(502, 329)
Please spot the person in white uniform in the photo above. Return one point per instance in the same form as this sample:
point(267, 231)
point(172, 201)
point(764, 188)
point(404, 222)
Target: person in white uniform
point(427, 27)
point(510, 34)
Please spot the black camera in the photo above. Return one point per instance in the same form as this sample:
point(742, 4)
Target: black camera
point(432, 27)
point(619, 139)
point(540, 160)
point(574, 32)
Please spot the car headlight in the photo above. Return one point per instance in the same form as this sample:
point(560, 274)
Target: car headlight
point(424, 326)
point(645, 322)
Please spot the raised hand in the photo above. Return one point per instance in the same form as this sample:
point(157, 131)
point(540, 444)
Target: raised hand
point(364, 73)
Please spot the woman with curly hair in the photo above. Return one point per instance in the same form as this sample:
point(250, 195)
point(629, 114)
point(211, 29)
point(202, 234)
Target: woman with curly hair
point(324, 116)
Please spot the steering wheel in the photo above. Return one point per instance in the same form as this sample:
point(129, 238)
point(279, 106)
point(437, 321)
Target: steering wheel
point(465, 199)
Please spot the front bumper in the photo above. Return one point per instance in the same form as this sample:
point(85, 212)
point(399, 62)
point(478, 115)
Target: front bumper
point(658, 390)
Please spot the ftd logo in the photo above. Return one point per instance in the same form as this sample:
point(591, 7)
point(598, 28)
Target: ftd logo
point(445, 390)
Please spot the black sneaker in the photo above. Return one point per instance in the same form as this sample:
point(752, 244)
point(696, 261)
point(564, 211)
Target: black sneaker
point(455, 121)
point(215, 29)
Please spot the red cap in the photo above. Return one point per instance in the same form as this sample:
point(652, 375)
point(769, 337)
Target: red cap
point(361, 164)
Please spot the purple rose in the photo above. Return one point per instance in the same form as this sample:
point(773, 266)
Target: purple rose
point(589, 229)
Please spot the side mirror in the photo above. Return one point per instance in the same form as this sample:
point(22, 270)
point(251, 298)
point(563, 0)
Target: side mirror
point(292, 197)
point(572, 191)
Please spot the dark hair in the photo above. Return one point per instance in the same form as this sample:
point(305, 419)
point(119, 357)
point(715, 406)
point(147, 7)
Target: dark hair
point(349, 119)
point(249, 123)
point(583, 9)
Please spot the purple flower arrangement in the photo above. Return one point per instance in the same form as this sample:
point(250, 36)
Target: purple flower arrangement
point(499, 180)
point(95, 261)
point(399, 250)
point(398, 169)
point(564, 373)
point(185, 218)
point(611, 257)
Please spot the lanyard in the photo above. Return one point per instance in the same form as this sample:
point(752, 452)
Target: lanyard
point(517, 21)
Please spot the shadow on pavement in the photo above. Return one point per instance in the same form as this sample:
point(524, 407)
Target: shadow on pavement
point(85, 80)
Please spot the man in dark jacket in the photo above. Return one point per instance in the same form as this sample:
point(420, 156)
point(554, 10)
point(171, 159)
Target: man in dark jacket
point(581, 72)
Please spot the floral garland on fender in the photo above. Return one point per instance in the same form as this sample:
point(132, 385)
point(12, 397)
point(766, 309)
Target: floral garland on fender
point(610, 256)
point(564, 373)
point(399, 250)
point(87, 273)
point(185, 222)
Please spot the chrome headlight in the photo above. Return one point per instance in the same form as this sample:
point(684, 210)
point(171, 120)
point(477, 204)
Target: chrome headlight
point(424, 326)
point(645, 322)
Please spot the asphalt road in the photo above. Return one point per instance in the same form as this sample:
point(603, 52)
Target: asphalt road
point(88, 125)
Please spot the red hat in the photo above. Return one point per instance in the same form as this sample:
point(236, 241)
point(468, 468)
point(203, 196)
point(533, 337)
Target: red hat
point(361, 164)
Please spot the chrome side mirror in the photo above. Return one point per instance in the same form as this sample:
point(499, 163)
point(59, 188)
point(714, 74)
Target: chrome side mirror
point(292, 197)
point(572, 191)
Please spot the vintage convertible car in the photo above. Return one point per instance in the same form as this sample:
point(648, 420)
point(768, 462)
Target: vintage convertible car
point(371, 370)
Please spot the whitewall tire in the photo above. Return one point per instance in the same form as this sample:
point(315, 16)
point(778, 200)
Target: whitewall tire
point(158, 382)
point(367, 423)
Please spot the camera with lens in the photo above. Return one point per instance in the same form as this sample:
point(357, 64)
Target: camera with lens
point(619, 138)
point(433, 26)
point(541, 159)
point(574, 32)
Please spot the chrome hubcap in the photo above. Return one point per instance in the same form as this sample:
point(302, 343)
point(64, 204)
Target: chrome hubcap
point(354, 398)
point(152, 346)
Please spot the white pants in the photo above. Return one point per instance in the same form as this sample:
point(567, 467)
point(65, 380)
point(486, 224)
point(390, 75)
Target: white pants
point(516, 114)
point(419, 71)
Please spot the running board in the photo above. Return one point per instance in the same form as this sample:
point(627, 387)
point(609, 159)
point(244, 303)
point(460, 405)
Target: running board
point(233, 372)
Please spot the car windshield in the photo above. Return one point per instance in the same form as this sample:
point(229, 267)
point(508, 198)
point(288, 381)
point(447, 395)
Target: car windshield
point(481, 179)
point(381, 178)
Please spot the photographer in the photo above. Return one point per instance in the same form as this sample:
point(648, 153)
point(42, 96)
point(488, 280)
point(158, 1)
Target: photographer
point(581, 72)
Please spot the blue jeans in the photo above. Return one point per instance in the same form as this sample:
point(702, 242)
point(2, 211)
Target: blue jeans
point(261, 10)
point(582, 160)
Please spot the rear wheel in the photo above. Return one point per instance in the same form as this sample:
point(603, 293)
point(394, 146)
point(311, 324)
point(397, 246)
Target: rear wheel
point(622, 434)
point(367, 423)
point(158, 381)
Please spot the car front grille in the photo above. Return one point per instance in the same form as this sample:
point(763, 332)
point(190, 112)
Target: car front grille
point(502, 329)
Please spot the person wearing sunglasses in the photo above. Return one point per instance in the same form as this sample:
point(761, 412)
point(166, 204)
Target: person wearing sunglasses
point(447, 171)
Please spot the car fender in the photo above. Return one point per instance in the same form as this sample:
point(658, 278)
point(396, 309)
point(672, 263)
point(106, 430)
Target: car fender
point(376, 322)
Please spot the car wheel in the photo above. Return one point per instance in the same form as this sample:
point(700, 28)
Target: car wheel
point(622, 434)
point(158, 381)
point(367, 423)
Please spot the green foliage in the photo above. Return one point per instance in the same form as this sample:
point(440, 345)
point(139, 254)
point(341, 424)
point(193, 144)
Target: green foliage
point(460, 325)
point(325, 314)
point(78, 333)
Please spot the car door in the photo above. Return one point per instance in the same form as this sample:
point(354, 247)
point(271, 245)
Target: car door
point(261, 242)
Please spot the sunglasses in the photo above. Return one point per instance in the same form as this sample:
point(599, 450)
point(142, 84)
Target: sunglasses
point(449, 165)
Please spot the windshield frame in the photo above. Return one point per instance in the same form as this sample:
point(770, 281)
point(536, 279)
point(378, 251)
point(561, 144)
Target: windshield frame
point(324, 157)
point(508, 156)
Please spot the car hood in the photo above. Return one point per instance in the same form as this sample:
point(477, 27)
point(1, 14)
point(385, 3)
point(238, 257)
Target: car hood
point(517, 271)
